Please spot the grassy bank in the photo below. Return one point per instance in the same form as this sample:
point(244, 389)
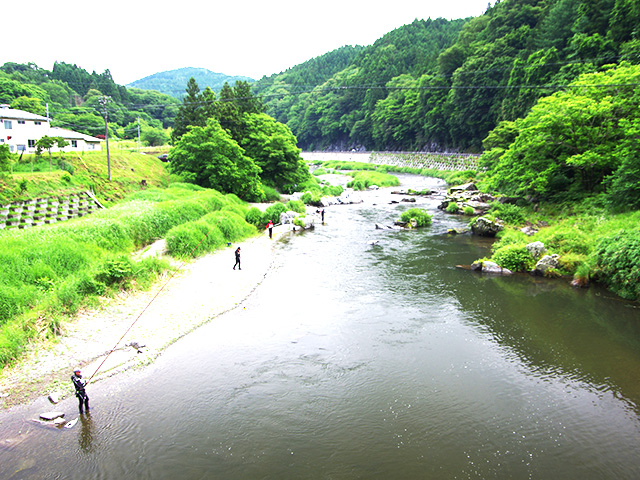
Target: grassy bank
point(51, 271)
point(80, 171)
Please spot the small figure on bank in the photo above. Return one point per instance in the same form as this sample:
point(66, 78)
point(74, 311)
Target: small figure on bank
point(237, 259)
point(322, 215)
point(270, 228)
point(79, 383)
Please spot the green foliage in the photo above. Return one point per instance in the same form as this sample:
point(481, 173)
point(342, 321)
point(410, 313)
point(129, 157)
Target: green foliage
point(452, 208)
point(273, 148)
point(573, 141)
point(422, 217)
point(209, 157)
point(511, 214)
point(273, 213)
point(365, 179)
point(296, 206)
point(514, 257)
point(5, 158)
point(254, 217)
point(468, 211)
point(618, 263)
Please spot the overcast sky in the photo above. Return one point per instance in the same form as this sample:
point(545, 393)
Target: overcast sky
point(134, 39)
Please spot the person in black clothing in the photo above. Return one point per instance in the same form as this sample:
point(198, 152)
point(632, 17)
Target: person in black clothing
point(237, 259)
point(79, 383)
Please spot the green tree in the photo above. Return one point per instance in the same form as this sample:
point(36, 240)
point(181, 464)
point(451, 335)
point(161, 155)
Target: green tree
point(573, 141)
point(273, 148)
point(29, 104)
point(209, 157)
point(190, 112)
point(5, 158)
point(154, 137)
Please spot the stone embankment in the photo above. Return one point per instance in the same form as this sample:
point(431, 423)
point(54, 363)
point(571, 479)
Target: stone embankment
point(40, 211)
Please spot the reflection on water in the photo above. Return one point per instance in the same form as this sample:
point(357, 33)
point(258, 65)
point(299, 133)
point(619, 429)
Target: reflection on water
point(85, 434)
point(379, 361)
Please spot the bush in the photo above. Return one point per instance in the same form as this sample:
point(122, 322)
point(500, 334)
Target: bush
point(617, 259)
point(452, 208)
point(254, 217)
point(511, 214)
point(514, 257)
point(296, 206)
point(273, 213)
point(421, 216)
point(468, 211)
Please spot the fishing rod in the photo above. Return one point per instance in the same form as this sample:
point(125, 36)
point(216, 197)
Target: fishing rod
point(144, 310)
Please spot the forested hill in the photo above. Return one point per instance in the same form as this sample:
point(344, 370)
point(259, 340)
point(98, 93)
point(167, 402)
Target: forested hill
point(437, 84)
point(173, 82)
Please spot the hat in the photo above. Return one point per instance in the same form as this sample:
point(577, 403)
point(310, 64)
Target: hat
point(77, 369)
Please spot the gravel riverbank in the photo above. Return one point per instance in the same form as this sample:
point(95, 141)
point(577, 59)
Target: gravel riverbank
point(175, 306)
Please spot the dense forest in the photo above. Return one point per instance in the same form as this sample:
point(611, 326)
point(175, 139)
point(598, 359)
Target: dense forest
point(441, 85)
point(71, 96)
point(172, 82)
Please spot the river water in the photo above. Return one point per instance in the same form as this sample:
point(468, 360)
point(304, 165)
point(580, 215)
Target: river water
point(383, 361)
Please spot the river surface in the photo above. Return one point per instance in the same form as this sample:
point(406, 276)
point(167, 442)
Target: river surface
point(360, 361)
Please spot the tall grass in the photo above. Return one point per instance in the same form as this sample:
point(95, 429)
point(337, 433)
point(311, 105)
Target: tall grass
point(50, 271)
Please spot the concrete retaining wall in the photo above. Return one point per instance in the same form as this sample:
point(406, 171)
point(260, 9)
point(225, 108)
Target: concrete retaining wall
point(439, 161)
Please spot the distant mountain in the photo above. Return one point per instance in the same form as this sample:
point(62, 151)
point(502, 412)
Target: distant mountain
point(174, 82)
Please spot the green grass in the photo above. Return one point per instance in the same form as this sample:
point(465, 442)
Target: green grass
point(49, 272)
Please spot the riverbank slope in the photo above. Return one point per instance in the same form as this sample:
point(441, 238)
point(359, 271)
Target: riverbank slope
point(176, 305)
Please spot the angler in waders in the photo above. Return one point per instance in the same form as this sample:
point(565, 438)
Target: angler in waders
point(80, 383)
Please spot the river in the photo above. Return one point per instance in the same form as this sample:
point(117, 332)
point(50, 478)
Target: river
point(361, 361)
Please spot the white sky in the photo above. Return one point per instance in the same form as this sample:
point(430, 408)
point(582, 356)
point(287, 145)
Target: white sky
point(134, 39)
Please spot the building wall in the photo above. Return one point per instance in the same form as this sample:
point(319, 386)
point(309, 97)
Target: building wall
point(21, 134)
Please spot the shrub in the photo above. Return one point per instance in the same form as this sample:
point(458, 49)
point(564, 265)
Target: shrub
point(452, 208)
point(511, 214)
point(254, 216)
point(617, 259)
point(296, 206)
point(66, 177)
point(421, 216)
point(273, 213)
point(468, 211)
point(514, 257)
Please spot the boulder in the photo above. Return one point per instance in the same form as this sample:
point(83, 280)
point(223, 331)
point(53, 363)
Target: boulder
point(545, 265)
point(54, 397)
point(485, 227)
point(536, 249)
point(288, 217)
point(51, 415)
point(467, 187)
point(492, 267)
point(528, 230)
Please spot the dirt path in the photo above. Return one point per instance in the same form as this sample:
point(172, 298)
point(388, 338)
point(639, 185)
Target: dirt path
point(172, 308)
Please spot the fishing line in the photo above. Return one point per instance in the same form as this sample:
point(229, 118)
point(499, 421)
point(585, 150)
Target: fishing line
point(145, 309)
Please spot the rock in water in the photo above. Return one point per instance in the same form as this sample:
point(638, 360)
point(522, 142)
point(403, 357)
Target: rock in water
point(54, 397)
point(51, 415)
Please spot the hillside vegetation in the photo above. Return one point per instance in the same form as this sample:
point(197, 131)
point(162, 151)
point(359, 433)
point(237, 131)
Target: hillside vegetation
point(172, 82)
point(436, 84)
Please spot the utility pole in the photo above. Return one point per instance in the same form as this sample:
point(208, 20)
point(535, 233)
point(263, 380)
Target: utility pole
point(138, 133)
point(103, 102)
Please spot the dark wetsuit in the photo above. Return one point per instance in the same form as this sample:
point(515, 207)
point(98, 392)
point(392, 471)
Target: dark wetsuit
point(83, 398)
point(237, 260)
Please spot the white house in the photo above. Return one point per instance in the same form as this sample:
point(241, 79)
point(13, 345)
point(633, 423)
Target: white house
point(21, 130)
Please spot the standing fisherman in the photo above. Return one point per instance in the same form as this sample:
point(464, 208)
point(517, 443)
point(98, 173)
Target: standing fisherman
point(237, 259)
point(79, 383)
point(270, 228)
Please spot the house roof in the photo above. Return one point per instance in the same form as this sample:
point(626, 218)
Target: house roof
point(71, 135)
point(10, 113)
